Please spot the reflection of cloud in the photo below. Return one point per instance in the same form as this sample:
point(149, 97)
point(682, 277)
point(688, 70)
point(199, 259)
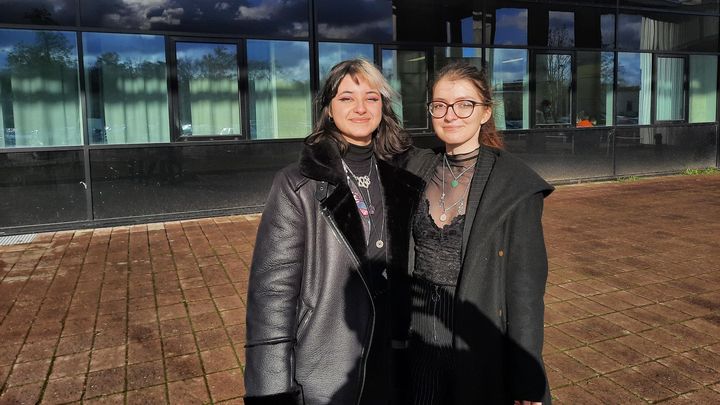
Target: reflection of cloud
point(264, 11)
point(169, 16)
point(221, 6)
point(263, 17)
point(350, 31)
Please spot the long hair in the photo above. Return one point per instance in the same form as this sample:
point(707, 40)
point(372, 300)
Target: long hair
point(462, 70)
point(389, 137)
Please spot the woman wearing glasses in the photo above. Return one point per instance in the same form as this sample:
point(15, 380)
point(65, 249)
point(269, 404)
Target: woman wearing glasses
point(478, 261)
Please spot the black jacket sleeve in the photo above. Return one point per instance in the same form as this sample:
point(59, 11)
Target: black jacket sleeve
point(273, 293)
point(527, 270)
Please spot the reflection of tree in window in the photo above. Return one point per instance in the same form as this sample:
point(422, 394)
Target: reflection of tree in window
point(561, 30)
point(207, 82)
point(554, 73)
point(128, 100)
point(40, 92)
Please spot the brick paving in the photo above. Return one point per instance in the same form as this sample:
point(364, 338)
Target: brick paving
point(155, 313)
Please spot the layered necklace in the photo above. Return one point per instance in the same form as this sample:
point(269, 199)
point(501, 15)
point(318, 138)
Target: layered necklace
point(363, 182)
point(460, 203)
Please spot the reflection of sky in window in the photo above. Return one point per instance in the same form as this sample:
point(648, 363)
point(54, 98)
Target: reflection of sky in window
point(331, 53)
point(61, 12)
point(389, 59)
point(509, 65)
point(629, 72)
point(628, 35)
point(10, 38)
point(368, 20)
point(511, 26)
point(291, 58)
point(130, 47)
point(607, 29)
point(466, 27)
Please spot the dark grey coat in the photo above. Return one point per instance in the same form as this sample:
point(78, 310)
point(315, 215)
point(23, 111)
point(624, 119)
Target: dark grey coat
point(498, 318)
point(310, 312)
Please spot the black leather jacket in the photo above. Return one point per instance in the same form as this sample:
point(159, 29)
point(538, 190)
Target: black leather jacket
point(310, 313)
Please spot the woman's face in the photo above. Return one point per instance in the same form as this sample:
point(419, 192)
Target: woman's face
point(356, 110)
point(461, 135)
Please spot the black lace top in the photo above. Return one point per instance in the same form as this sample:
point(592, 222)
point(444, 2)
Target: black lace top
point(437, 250)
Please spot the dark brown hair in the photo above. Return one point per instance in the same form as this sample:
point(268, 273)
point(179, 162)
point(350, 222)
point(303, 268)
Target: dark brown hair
point(389, 138)
point(462, 70)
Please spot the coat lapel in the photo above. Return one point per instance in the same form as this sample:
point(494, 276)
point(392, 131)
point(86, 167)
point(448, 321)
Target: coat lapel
point(322, 162)
point(485, 163)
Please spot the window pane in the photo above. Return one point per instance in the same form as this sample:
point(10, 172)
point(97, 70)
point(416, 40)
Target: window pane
point(595, 28)
point(510, 83)
point(287, 18)
point(509, 26)
point(594, 88)
point(553, 98)
point(438, 21)
point(561, 29)
point(279, 75)
point(634, 88)
point(670, 101)
point(331, 54)
point(407, 73)
point(208, 89)
point(703, 88)
point(44, 12)
point(666, 32)
point(370, 20)
point(39, 97)
point(127, 88)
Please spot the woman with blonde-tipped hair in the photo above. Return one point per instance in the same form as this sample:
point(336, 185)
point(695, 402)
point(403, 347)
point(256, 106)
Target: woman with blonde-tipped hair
point(331, 245)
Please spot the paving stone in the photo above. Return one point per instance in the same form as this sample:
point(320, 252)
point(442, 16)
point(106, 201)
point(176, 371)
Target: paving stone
point(632, 315)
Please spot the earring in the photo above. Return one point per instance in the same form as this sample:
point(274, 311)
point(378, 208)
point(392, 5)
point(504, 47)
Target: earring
point(331, 119)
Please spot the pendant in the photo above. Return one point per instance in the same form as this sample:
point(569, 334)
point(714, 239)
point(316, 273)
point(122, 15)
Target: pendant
point(371, 209)
point(443, 217)
point(461, 210)
point(454, 183)
point(363, 181)
point(379, 244)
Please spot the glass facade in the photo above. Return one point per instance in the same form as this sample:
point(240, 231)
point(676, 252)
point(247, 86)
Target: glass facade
point(138, 105)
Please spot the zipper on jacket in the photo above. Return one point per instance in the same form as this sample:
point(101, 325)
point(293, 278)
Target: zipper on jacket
point(364, 354)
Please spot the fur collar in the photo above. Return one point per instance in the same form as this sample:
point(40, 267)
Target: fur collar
point(322, 162)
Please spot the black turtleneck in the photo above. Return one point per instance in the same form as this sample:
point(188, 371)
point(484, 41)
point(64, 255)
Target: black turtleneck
point(361, 162)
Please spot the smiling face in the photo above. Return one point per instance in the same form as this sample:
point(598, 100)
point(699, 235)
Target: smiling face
point(461, 135)
point(356, 109)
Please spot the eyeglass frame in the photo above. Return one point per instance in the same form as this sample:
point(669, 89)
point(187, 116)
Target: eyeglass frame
point(449, 106)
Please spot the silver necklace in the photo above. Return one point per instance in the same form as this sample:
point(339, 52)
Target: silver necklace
point(454, 183)
point(364, 182)
point(361, 181)
point(460, 203)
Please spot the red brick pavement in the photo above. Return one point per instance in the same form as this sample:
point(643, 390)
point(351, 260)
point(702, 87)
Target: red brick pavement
point(155, 313)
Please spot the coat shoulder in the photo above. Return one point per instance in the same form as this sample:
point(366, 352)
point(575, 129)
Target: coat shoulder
point(509, 168)
point(290, 177)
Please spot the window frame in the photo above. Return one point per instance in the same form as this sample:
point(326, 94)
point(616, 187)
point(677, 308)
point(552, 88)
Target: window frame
point(174, 93)
point(686, 93)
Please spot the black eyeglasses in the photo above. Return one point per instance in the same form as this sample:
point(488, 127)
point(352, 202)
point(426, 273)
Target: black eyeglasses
point(461, 108)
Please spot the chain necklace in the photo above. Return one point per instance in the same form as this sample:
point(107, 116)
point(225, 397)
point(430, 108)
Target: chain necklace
point(454, 183)
point(364, 182)
point(361, 181)
point(460, 203)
